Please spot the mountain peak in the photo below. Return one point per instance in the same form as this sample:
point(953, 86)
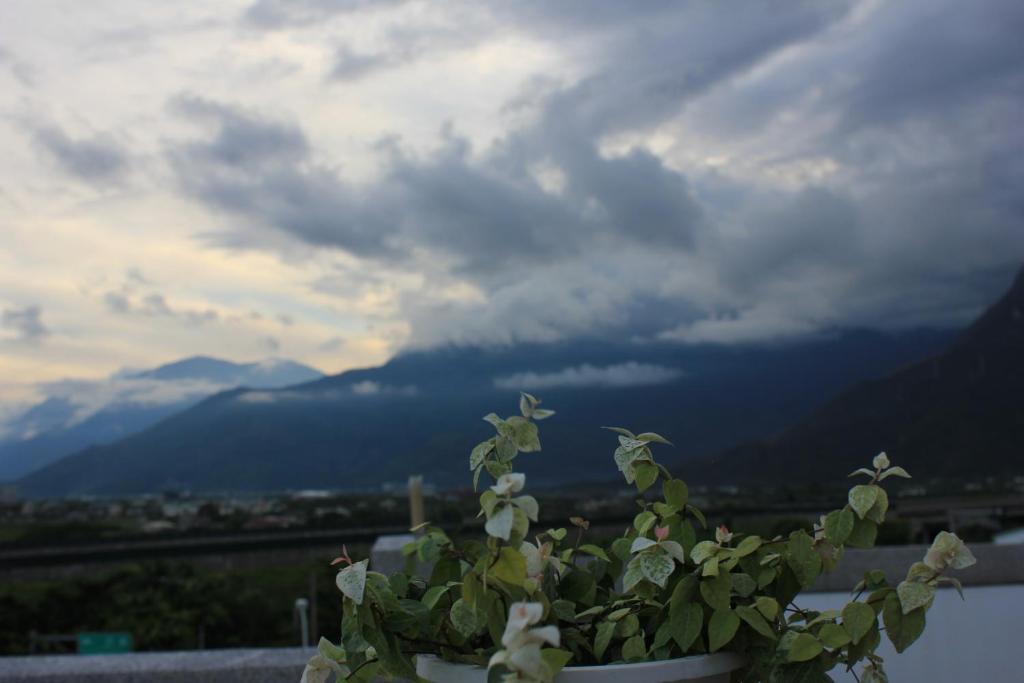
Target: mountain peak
point(1003, 322)
point(1018, 283)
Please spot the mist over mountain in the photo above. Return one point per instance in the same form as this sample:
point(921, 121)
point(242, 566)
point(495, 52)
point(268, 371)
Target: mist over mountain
point(420, 413)
point(80, 413)
point(958, 413)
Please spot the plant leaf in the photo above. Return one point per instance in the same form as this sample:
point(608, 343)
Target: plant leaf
point(499, 524)
point(510, 567)
point(703, 551)
point(858, 618)
point(646, 474)
point(594, 550)
point(715, 591)
point(352, 581)
point(805, 563)
point(755, 620)
point(656, 565)
point(838, 525)
point(862, 497)
point(914, 594)
point(651, 436)
point(747, 546)
point(463, 618)
point(769, 607)
point(605, 630)
point(834, 635)
point(675, 550)
point(529, 506)
point(641, 543)
point(804, 647)
point(676, 493)
point(895, 472)
point(901, 628)
point(686, 623)
point(722, 628)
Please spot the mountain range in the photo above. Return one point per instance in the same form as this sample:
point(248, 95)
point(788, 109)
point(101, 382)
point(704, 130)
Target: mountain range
point(956, 414)
point(420, 413)
point(79, 413)
point(941, 402)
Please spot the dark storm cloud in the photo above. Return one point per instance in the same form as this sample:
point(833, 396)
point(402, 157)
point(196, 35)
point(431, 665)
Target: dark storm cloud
point(895, 128)
point(26, 323)
point(95, 159)
point(648, 67)
point(488, 213)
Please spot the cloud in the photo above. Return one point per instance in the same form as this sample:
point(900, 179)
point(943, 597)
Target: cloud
point(278, 14)
point(696, 172)
point(372, 388)
point(154, 304)
point(332, 344)
point(27, 323)
point(68, 402)
point(630, 374)
point(21, 70)
point(268, 396)
point(96, 159)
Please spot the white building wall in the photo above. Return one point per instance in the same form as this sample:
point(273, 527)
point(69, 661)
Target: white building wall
point(977, 640)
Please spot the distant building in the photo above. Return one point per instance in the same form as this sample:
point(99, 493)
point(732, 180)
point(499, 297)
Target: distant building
point(1012, 537)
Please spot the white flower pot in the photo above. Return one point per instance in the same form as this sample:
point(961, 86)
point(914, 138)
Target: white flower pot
point(696, 669)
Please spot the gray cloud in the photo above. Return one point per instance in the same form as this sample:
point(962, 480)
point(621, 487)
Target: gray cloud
point(18, 68)
point(872, 172)
point(27, 323)
point(459, 27)
point(630, 374)
point(96, 159)
point(469, 210)
point(332, 344)
point(154, 304)
point(278, 14)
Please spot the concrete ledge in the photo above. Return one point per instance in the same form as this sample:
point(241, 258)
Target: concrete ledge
point(386, 555)
point(997, 565)
point(282, 665)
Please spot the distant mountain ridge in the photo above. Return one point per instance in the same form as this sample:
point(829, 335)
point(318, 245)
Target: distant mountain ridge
point(270, 373)
point(84, 413)
point(420, 413)
point(957, 413)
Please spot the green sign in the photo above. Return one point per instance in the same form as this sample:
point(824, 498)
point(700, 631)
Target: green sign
point(104, 643)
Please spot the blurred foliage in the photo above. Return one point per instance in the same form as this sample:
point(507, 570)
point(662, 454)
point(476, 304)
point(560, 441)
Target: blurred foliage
point(171, 606)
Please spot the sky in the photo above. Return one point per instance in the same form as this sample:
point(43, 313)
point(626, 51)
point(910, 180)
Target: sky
point(335, 181)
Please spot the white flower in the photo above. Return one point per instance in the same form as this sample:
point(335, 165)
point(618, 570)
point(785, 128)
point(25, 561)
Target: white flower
point(522, 653)
point(500, 523)
point(509, 483)
point(948, 551)
point(723, 535)
point(320, 668)
point(881, 461)
point(537, 558)
point(527, 660)
point(521, 615)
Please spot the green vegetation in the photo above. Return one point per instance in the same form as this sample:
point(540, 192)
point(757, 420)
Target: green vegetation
point(170, 606)
point(527, 609)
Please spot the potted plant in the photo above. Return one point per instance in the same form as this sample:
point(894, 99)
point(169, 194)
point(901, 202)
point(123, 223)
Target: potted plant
point(656, 605)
